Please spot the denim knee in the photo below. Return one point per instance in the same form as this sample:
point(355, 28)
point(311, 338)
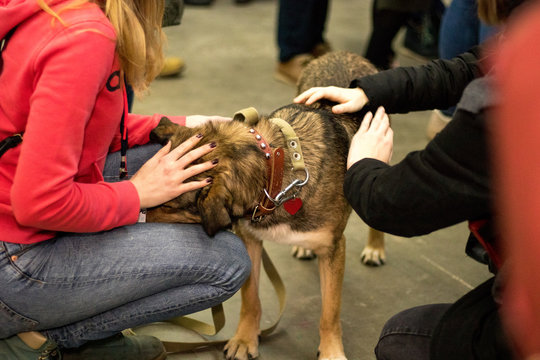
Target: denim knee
point(407, 335)
point(240, 263)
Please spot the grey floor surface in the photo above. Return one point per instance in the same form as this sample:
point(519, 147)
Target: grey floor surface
point(230, 53)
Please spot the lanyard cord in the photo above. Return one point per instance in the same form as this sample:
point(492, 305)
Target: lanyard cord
point(123, 138)
point(3, 44)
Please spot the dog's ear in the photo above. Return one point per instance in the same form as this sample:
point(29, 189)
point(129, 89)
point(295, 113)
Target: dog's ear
point(214, 203)
point(163, 132)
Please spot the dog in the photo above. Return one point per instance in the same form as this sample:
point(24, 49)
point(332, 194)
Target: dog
point(279, 178)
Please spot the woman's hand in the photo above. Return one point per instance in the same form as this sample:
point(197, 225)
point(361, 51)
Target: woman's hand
point(162, 177)
point(374, 139)
point(350, 100)
point(196, 120)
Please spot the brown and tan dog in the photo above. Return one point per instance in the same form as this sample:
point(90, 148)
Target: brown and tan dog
point(252, 161)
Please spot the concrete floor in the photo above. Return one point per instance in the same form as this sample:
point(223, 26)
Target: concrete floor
point(230, 53)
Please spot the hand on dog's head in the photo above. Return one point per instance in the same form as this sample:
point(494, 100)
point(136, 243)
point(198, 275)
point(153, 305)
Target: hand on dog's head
point(212, 205)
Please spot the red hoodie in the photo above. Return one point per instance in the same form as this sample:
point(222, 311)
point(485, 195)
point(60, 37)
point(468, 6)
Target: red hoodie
point(517, 168)
point(60, 86)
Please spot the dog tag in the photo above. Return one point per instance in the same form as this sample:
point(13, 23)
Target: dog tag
point(293, 205)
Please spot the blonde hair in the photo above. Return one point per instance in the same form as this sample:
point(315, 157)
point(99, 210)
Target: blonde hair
point(495, 12)
point(140, 39)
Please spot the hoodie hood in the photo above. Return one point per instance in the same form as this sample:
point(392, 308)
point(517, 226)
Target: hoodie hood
point(14, 12)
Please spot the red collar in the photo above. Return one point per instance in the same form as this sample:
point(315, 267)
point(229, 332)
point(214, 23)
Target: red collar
point(274, 171)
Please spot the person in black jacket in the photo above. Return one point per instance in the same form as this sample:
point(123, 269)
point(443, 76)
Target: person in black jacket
point(446, 183)
point(461, 148)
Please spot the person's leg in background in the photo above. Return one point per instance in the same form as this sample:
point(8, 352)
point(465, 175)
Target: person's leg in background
point(462, 15)
point(421, 39)
point(172, 16)
point(388, 17)
point(386, 23)
point(461, 29)
point(300, 36)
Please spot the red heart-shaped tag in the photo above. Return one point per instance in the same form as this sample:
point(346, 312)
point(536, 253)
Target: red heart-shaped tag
point(293, 205)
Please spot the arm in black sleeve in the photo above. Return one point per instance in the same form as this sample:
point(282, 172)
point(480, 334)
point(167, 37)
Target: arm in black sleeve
point(436, 85)
point(442, 185)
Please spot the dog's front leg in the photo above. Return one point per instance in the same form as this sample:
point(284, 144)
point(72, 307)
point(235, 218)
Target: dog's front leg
point(331, 268)
point(244, 344)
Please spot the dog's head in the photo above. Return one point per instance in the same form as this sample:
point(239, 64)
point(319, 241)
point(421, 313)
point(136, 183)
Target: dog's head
point(238, 178)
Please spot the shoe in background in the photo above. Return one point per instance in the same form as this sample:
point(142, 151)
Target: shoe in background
point(289, 71)
point(172, 66)
point(199, 2)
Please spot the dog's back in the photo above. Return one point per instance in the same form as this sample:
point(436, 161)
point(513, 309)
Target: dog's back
point(337, 68)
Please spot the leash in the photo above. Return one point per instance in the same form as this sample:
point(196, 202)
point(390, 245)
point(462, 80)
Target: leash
point(218, 319)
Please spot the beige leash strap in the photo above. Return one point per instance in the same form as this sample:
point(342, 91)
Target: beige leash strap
point(279, 288)
point(218, 316)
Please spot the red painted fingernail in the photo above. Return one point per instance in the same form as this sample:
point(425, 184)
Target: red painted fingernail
point(209, 180)
point(199, 136)
point(215, 161)
point(213, 144)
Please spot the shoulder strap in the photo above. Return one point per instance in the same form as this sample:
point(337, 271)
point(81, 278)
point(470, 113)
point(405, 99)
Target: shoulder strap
point(14, 140)
point(10, 142)
point(3, 44)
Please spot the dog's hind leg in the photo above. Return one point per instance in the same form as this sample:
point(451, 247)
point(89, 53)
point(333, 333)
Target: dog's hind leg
point(331, 268)
point(244, 344)
point(373, 253)
point(301, 253)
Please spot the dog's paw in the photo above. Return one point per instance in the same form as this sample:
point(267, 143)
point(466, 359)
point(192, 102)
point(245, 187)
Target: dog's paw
point(339, 357)
point(239, 349)
point(373, 256)
point(302, 253)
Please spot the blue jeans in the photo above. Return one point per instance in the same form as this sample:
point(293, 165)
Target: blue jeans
point(301, 26)
point(407, 335)
point(461, 29)
point(80, 287)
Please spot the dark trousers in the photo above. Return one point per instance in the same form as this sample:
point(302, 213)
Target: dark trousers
point(301, 26)
point(469, 329)
point(407, 335)
point(386, 24)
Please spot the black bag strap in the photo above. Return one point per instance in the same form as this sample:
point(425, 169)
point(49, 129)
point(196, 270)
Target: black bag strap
point(3, 44)
point(124, 138)
point(10, 142)
point(14, 140)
